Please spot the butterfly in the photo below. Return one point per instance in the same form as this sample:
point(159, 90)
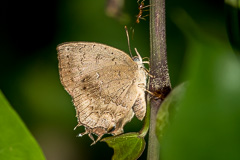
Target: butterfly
point(107, 86)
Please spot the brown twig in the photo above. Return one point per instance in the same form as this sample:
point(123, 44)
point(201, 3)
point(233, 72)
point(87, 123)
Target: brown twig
point(160, 84)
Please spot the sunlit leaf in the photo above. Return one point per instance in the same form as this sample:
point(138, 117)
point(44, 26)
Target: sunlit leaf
point(16, 142)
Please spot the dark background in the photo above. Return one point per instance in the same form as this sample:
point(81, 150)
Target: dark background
point(29, 34)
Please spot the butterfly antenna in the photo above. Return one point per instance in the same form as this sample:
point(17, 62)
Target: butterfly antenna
point(139, 56)
point(128, 41)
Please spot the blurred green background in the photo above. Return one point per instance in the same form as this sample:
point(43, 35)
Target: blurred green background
point(29, 34)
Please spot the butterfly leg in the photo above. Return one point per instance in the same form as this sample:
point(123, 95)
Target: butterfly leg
point(147, 72)
point(82, 134)
point(151, 93)
point(90, 135)
point(79, 124)
point(145, 58)
point(99, 137)
point(145, 62)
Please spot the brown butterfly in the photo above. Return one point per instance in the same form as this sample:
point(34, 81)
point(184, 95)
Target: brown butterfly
point(107, 86)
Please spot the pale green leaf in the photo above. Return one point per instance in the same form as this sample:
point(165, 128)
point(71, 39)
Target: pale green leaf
point(16, 142)
point(168, 108)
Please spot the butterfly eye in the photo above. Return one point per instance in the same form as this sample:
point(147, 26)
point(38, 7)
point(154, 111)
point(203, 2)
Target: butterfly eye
point(135, 59)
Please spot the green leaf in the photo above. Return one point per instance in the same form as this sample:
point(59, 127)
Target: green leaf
point(234, 3)
point(127, 146)
point(206, 126)
point(16, 142)
point(232, 13)
point(168, 109)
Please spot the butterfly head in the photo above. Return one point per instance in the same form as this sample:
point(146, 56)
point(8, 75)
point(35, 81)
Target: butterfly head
point(136, 59)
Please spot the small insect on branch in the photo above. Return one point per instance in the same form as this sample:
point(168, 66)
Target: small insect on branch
point(141, 6)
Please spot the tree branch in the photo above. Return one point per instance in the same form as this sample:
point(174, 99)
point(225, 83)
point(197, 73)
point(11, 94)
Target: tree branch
point(160, 84)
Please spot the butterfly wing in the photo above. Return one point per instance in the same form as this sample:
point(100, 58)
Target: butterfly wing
point(102, 81)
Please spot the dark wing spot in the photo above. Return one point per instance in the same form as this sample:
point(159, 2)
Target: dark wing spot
point(111, 129)
point(86, 78)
